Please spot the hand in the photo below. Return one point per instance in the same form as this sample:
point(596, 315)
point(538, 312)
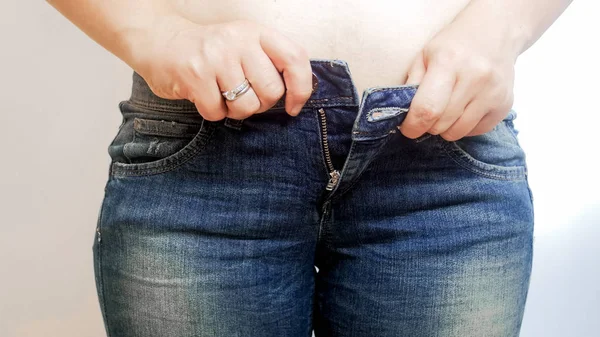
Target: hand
point(465, 79)
point(180, 59)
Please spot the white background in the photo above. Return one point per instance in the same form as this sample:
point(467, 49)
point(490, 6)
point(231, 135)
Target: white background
point(59, 92)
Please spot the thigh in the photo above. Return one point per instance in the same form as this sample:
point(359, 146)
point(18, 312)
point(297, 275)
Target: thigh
point(434, 239)
point(213, 234)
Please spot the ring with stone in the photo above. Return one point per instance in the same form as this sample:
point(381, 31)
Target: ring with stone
point(236, 92)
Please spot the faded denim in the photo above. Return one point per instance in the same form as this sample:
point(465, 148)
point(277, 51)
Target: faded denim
point(214, 228)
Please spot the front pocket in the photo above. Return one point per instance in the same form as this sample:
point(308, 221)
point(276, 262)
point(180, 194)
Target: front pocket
point(151, 143)
point(496, 154)
point(157, 139)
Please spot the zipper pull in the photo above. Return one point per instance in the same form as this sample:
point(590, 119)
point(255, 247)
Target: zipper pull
point(335, 177)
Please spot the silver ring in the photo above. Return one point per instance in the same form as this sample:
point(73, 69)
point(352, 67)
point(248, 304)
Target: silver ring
point(238, 91)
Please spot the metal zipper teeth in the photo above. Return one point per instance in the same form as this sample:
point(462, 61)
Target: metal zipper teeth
point(333, 173)
point(325, 143)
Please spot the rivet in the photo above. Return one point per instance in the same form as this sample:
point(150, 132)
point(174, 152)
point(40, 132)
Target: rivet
point(315, 82)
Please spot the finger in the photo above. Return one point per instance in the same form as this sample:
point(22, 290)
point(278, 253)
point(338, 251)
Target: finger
point(229, 77)
point(429, 101)
point(417, 70)
point(205, 95)
point(293, 62)
point(466, 122)
point(463, 93)
point(488, 122)
point(266, 80)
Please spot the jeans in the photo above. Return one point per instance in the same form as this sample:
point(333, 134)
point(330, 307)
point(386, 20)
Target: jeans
point(214, 228)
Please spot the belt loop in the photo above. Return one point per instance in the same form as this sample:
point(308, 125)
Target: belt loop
point(233, 123)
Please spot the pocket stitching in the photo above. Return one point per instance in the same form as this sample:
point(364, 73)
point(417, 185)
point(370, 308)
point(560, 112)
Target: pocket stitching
point(144, 126)
point(171, 162)
point(468, 162)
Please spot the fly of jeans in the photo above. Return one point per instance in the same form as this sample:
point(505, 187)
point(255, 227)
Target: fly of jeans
point(334, 175)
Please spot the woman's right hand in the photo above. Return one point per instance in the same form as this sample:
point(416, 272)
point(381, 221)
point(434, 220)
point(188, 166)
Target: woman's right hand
point(180, 59)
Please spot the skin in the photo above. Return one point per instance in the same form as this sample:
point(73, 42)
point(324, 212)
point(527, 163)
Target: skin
point(466, 80)
point(465, 69)
point(225, 55)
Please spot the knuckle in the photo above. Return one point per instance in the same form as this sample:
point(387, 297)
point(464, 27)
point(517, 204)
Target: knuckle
point(446, 56)
point(503, 99)
point(231, 31)
point(179, 91)
point(426, 113)
point(273, 91)
point(217, 54)
point(222, 59)
point(296, 55)
point(193, 67)
point(482, 69)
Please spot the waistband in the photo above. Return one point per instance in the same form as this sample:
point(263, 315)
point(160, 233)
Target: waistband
point(332, 86)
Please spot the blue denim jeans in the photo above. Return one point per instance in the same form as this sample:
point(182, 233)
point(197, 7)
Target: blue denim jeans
point(214, 228)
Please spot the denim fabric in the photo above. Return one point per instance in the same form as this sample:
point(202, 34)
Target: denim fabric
point(214, 228)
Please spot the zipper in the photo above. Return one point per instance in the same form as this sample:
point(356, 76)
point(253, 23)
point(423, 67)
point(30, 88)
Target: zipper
point(333, 180)
point(334, 175)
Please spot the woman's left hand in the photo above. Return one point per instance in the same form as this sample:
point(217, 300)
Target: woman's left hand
point(465, 76)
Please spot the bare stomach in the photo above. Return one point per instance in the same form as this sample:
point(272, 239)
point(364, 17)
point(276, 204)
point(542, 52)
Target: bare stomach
point(378, 38)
